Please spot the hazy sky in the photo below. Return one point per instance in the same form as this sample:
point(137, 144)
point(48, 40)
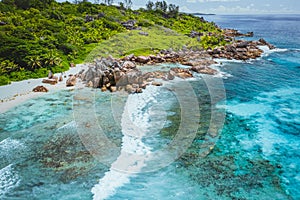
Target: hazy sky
point(230, 6)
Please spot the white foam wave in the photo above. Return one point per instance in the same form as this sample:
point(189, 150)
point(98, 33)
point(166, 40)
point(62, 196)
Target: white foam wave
point(9, 179)
point(10, 150)
point(9, 143)
point(267, 51)
point(70, 125)
point(224, 60)
point(220, 73)
point(136, 122)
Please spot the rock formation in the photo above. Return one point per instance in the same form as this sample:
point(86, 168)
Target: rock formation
point(40, 89)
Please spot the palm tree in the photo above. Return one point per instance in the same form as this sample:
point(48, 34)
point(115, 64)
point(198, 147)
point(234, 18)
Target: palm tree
point(52, 59)
point(35, 62)
point(7, 66)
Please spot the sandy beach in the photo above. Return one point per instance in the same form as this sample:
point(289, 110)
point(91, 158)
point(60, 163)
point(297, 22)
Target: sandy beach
point(17, 92)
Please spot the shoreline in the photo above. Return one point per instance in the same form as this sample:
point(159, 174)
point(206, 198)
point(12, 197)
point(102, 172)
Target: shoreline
point(18, 92)
point(199, 61)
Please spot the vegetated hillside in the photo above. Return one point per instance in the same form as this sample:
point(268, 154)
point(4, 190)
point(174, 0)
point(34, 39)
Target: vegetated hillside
point(37, 36)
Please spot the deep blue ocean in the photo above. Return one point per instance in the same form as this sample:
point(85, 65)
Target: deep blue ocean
point(84, 144)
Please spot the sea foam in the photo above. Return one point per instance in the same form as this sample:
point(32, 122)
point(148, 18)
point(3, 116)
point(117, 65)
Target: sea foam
point(136, 123)
point(268, 51)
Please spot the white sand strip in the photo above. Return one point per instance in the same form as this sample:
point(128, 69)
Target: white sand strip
point(17, 92)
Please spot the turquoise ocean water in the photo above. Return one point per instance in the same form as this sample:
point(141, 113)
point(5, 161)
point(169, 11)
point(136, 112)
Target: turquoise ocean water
point(44, 154)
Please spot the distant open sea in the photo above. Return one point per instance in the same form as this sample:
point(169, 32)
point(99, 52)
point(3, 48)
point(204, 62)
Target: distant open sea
point(257, 154)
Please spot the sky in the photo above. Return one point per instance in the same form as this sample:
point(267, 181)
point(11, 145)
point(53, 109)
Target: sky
point(230, 6)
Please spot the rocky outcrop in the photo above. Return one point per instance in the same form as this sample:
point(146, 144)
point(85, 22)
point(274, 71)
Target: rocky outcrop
point(236, 33)
point(204, 70)
point(71, 81)
point(130, 24)
point(40, 89)
point(113, 75)
point(240, 50)
point(262, 41)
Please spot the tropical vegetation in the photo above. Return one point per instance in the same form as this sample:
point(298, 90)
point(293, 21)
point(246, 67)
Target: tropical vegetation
point(41, 35)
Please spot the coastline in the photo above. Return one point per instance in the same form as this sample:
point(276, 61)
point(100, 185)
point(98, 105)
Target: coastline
point(18, 92)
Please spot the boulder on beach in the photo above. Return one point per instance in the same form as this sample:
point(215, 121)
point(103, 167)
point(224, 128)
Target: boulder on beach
point(40, 89)
point(113, 88)
point(60, 78)
point(71, 81)
point(50, 81)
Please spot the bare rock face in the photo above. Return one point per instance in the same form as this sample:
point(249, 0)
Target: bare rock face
point(40, 89)
point(96, 82)
point(89, 74)
point(71, 81)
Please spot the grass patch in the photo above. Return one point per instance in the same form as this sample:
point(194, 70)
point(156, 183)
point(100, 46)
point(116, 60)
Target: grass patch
point(159, 38)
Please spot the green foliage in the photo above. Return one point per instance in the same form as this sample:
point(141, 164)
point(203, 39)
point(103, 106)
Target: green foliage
point(4, 80)
point(38, 35)
point(132, 42)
